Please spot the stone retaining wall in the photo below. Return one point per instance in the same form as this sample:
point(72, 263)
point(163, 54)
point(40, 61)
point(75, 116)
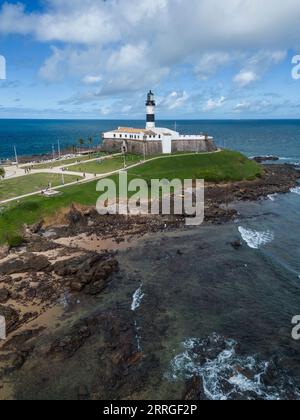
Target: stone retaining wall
point(155, 147)
point(193, 145)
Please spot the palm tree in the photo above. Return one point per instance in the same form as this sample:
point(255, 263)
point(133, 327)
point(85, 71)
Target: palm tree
point(81, 142)
point(2, 172)
point(90, 140)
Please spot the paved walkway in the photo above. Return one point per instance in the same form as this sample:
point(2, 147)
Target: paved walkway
point(16, 172)
point(89, 177)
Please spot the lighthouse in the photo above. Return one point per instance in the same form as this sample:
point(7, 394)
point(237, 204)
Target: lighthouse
point(150, 105)
point(154, 140)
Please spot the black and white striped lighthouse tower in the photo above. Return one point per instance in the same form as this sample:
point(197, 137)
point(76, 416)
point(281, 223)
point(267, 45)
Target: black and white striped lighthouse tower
point(150, 104)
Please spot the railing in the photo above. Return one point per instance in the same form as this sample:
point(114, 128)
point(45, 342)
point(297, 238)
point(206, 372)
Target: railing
point(190, 137)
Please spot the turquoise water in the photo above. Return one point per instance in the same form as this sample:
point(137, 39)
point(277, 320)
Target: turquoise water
point(281, 137)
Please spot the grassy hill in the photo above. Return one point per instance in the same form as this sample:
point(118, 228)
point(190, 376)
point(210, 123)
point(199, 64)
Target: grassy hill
point(15, 187)
point(106, 165)
point(218, 167)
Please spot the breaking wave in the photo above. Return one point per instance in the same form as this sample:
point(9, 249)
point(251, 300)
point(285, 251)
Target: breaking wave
point(295, 190)
point(227, 376)
point(272, 197)
point(137, 298)
point(255, 239)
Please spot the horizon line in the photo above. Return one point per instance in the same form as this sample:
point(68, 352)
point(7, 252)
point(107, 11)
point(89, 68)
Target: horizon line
point(164, 119)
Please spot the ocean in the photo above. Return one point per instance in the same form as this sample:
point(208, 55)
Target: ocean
point(33, 137)
point(210, 311)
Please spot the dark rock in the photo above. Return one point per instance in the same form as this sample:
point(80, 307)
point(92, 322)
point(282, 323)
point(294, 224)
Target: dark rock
point(75, 217)
point(26, 263)
point(76, 286)
point(11, 316)
point(261, 159)
point(31, 293)
point(236, 244)
point(194, 390)
point(28, 316)
point(15, 296)
point(96, 288)
point(20, 340)
point(4, 295)
point(90, 272)
point(6, 280)
point(39, 244)
point(75, 265)
point(70, 344)
point(274, 179)
point(37, 227)
point(83, 393)
point(18, 361)
point(4, 251)
point(45, 292)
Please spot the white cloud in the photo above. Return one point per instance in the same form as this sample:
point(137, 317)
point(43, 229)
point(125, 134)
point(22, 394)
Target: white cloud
point(213, 104)
point(174, 100)
point(255, 106)
point(245, 78)
point(256, 65)
point(213, 23)
point(92, 80)
point(135, 44)
point(210, 63)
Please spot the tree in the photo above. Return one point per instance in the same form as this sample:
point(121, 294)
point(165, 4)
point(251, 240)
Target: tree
point(81, 142)
point(90, 140)
point(2, 172)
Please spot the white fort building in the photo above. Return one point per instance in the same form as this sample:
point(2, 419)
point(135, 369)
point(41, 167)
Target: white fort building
point(154, 140)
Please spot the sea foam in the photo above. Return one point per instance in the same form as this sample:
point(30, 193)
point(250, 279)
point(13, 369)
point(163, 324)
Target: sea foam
point(255, 239)
point(272, 197)
point(225, 375)
point(295, 190)
point(137, 298)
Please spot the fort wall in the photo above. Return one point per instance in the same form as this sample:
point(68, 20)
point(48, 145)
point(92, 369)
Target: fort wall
point(155, 147)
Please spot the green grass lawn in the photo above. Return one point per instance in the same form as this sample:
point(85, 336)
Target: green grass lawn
point(58, 163)
point(32, 209)
point(106, 165)
point(219, 167)
point(216, 167)
point(15, 187)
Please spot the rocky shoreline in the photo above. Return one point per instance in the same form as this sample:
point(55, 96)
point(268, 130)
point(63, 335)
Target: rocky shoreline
point(56, 294)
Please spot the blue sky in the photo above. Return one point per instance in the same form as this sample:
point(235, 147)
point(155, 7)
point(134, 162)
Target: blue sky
point(204, 59)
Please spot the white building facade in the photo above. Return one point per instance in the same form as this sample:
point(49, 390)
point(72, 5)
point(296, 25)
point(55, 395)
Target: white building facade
point(154, 139)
